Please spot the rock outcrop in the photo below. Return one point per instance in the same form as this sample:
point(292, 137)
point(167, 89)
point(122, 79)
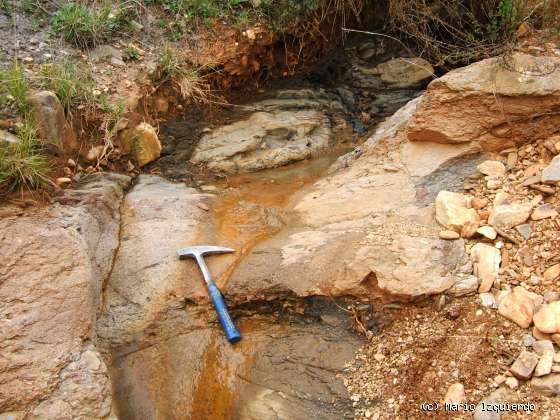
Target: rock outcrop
point(55, 260)
point(148, 279)
point(398, 73)
point(363, 227)
point(495, 103)
point(292, 127)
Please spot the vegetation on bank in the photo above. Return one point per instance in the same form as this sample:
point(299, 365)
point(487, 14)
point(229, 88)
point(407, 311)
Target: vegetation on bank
point(446, 32)
point(451, 33)
point(24, 163)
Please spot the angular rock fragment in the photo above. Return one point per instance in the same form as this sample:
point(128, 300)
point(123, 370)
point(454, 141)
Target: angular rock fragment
point(547, 318)
point(524, 365)
point(518, 306)
point(548, 385)
point(486, 261)
point(453, 210)
point(544, 367)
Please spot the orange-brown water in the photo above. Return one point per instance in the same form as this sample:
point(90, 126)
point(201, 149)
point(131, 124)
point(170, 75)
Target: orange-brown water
point(255, 206)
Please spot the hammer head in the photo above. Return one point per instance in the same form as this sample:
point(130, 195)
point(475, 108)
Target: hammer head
point(194, 251)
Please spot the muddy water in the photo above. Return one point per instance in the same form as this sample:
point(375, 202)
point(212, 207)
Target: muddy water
point(255, 206)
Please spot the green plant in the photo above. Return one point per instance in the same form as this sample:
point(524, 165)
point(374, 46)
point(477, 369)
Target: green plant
point(14, 88)
point(185, 77)
point(23, 164)
point(86, 27)
point(458, 32)
point(71, 84)
point(130, 54)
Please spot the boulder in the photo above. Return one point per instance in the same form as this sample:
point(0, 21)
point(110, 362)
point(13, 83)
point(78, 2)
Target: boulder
point(486, 260)
point(142, 141)
point(282, 131)
point(453, 210)
point(507, 216)
point(547, 318)
point(519, 306)
point(477, 103)
point(48, 115)
point(55, 260)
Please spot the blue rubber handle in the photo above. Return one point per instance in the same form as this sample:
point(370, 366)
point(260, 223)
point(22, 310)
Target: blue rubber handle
point(232, 334)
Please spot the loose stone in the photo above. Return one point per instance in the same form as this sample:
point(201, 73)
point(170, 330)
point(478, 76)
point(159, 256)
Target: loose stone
point(542, 346)
point(518, 306)
point(492, 168)
point(544, 367)
point(544, 211)
point(524, 365)
point(449, 235)
point(552, 273)
point(488, 232)
point(486, 261)
point(455, 394)
point(547, 318)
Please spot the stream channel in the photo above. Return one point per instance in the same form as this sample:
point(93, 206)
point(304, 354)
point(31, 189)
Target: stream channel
point(169, 359)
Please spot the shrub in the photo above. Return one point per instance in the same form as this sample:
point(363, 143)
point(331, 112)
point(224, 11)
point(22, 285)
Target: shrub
point(456, 32)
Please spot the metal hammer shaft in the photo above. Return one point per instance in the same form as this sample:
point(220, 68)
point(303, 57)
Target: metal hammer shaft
point(232, 333)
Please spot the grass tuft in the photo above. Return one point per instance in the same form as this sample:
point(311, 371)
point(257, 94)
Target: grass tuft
point(23, 165)
point(86, 27)
point(14, 89)
point(71, 83)
point(188, 79)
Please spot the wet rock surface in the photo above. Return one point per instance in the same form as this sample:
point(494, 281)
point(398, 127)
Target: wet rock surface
point(278, 370)
point(358, 228)
point(293, 126)
point(147, 279)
